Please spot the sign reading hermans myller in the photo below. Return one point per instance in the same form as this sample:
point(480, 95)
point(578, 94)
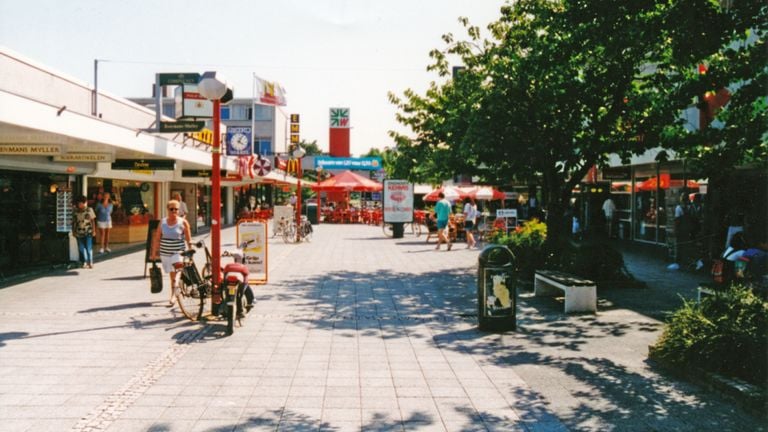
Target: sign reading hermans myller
point(363, 164)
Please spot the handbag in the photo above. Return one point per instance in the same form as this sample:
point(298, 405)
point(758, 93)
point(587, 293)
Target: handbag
point(155, 279)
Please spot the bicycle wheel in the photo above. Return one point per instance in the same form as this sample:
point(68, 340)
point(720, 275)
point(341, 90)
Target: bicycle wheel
point(229, 305)
point(289, 233)
point(387, 228)
point(190, 301)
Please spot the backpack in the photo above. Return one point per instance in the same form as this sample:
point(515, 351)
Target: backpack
point(722, 269)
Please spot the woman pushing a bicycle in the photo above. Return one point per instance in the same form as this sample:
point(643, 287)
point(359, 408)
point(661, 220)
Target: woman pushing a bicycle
point(172, 237)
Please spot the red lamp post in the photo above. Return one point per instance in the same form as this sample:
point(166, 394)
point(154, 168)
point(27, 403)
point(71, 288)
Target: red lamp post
point(213, 88)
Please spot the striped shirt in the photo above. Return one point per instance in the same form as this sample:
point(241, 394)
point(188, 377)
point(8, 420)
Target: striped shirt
point(172, 239)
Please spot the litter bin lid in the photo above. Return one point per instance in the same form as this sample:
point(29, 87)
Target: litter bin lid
point(496, 255)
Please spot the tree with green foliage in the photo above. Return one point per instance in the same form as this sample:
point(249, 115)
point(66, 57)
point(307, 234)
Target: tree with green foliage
point(558, 88)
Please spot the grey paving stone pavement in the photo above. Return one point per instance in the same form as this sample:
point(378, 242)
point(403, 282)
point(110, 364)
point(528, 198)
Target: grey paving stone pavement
point(353, 332)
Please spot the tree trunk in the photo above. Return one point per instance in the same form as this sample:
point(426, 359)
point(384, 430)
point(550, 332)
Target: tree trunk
point(557, 202)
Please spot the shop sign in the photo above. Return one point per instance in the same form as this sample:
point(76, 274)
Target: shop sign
point(398, 201)
point(144, 164)
point(181, 126)
point(201, 173)
point(178, 78)
point(339, 118)
point(84, 157)
point(30, 149)
point(362, 164)
point(617, 173)
point(191, 104)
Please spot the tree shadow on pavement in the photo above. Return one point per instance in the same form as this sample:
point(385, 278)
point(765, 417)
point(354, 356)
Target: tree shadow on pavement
point(123, 306)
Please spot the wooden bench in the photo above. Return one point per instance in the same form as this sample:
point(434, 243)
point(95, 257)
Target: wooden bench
point(580, 293)
point(710, 289)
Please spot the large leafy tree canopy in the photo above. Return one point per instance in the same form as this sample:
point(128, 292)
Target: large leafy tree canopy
point(558, 86)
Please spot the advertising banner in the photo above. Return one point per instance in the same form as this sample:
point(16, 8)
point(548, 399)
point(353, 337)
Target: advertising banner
point(255, 254)
point(360, 164)
point(398, 201)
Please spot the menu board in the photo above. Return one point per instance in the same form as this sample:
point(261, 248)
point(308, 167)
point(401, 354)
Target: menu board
point(63, 210)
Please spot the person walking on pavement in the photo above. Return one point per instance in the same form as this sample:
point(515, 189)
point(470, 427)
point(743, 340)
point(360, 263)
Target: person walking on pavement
point(104, 221)
point(470, 217)
point(83, 227)
point(609, 210)
point(443, 214)
point(171, 238)
point(183, 210)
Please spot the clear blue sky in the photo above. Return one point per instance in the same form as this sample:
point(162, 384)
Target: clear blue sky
point(325, 53)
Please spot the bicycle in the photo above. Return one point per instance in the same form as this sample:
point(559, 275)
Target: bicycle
point(289, 230)
point(193, 289)
point(413, 227)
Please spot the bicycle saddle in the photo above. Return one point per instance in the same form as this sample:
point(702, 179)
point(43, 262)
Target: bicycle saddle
point(236, 268)
point(188, 253)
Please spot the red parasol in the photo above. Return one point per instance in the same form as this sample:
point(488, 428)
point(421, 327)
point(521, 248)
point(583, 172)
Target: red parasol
point(486, 193)
point(348, 182)
point(452, 193)
point(664, 181)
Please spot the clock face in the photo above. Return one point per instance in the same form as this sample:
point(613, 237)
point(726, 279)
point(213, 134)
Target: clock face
point(239, 141)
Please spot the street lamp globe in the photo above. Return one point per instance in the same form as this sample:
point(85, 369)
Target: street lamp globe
point(212, 86)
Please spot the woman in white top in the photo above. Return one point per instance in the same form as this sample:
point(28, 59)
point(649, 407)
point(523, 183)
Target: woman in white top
point(171, 238)
point(470, 218)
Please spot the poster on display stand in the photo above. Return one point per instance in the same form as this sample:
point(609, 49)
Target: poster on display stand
point(510, 217)
point(398, 201)
point(255, 254)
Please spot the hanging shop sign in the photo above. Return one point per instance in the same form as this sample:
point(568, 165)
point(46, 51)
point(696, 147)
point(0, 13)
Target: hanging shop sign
point(84, 157)
point(30, 149)
point(181, 126)
point(143, 164)
point(191, 104)
point(201, 173)
point(178, 78)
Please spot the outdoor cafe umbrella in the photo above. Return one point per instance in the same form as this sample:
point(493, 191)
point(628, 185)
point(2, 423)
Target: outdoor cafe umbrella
point(348, 182)
point(664, 181)
point(452, 193)
point(486, 193)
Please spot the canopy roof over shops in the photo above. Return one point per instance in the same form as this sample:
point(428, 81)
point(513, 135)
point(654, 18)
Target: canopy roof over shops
point(348, 182)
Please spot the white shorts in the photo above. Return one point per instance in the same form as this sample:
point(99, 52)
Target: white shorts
point(104, 225)
point(169, 260)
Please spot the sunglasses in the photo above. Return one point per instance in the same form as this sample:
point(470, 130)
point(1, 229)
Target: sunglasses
point(173, 209)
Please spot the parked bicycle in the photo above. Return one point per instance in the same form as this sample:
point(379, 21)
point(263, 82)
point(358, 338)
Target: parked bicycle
point(193, 289)
point(289, 230)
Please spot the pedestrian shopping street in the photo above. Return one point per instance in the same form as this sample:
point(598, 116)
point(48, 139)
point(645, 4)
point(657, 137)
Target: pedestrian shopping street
point(354, 331)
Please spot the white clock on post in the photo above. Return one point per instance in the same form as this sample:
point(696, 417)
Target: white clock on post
point(239, 142)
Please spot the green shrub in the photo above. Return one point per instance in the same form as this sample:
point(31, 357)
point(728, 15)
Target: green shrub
point(527, 244)
point(724, 334)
